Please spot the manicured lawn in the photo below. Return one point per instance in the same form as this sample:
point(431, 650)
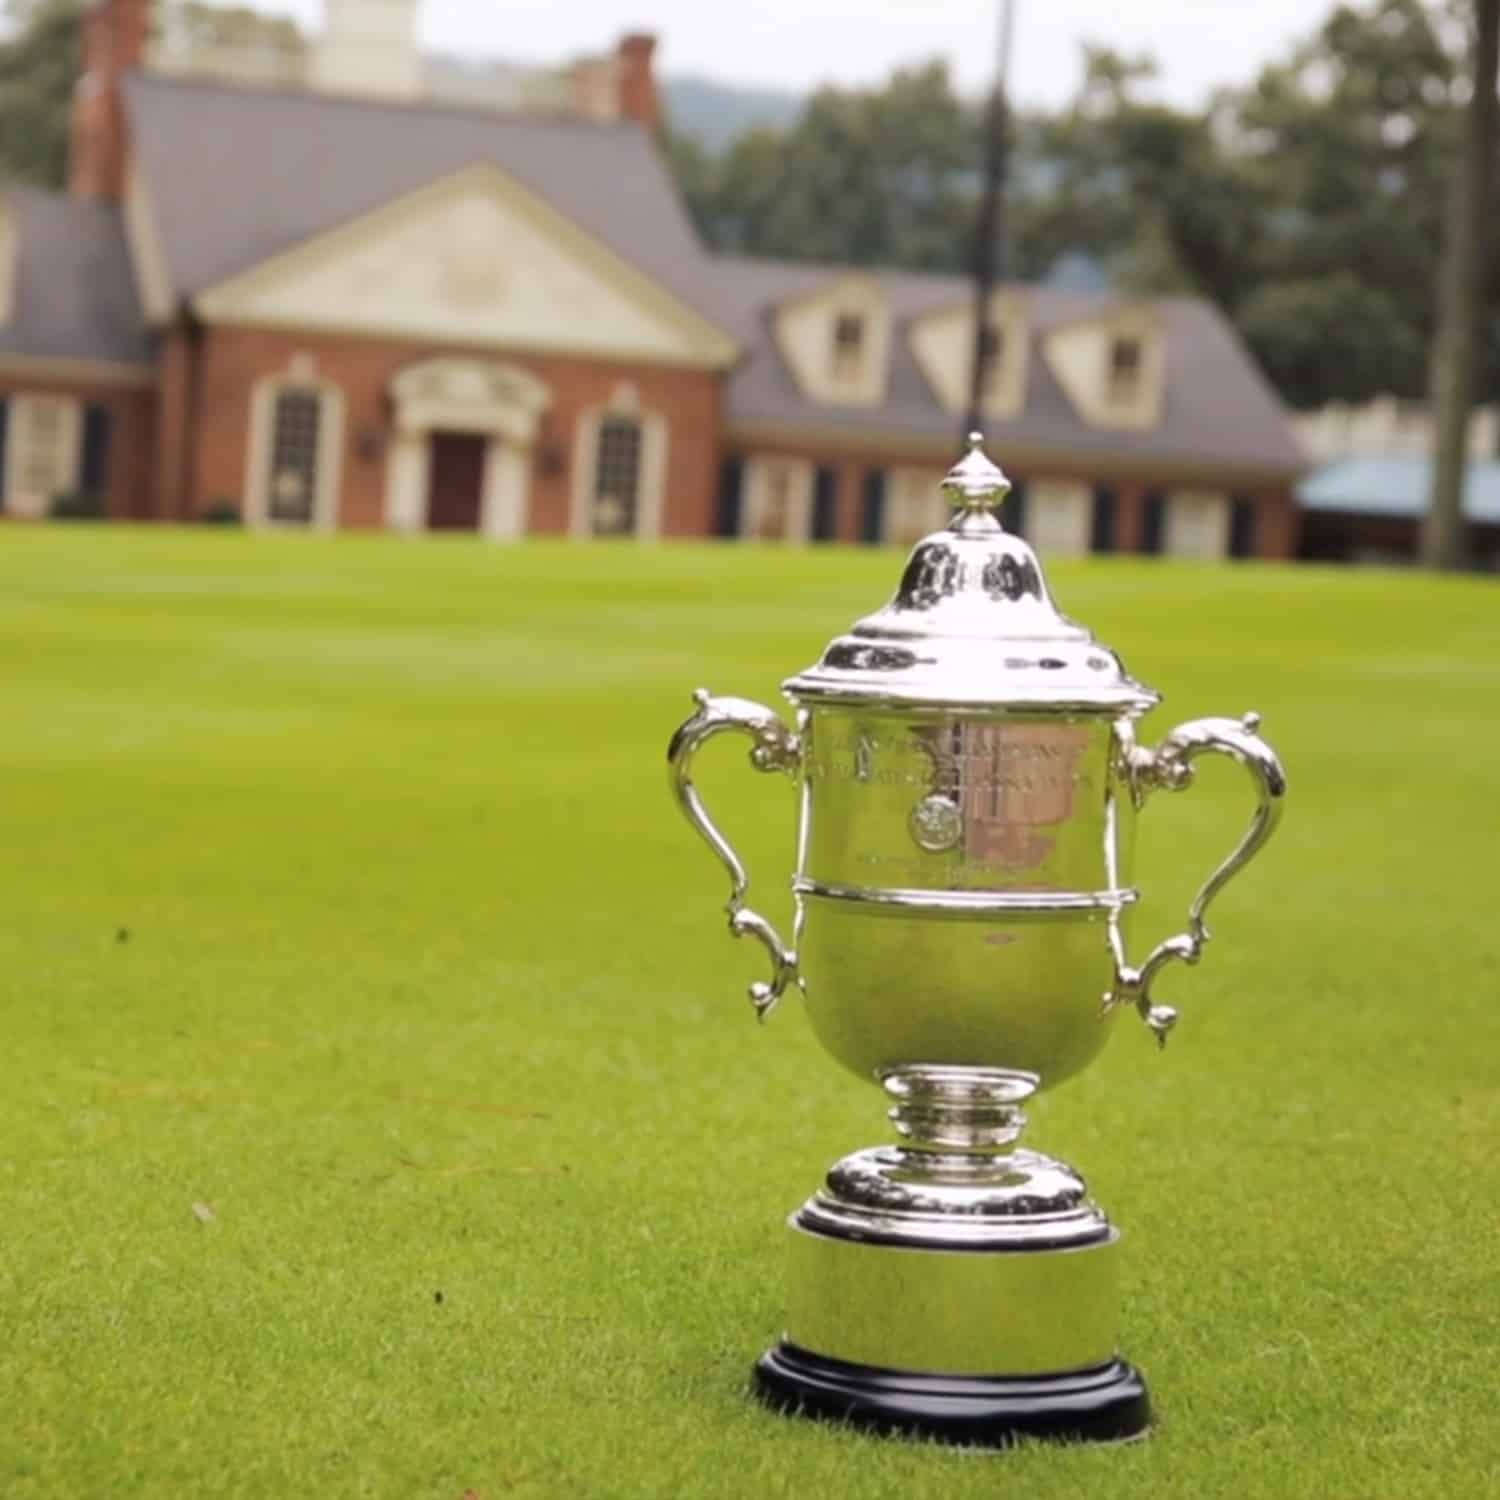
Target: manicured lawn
point(343, 898)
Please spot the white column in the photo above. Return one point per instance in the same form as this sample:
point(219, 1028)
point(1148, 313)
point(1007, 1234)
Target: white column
point(651, 491)
point(1197, 525)
point(1059, 517)
point(507, 484)
point(406, 482)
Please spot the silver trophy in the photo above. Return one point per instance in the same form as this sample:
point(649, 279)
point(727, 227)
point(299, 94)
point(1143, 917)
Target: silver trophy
point(969, 778)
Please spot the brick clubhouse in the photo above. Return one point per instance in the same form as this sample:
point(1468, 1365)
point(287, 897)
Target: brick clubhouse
point(328, 295)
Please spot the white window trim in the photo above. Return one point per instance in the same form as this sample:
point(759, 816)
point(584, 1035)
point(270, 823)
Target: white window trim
point(1059, 517)
point(651, 483)
point(903, 479)
point(10, 254)
point(21, 407)
point(330, 451)
point(1176, 525)
point(804, 332)
point(752, 496)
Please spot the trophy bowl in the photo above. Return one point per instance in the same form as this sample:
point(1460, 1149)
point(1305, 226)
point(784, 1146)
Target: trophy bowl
point(969, 780)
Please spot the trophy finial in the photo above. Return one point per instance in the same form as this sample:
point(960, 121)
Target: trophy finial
point(976, 484)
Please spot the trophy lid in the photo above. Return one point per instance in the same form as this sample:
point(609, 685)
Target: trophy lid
point(972, 625)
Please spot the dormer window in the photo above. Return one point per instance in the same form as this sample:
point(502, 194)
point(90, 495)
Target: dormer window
point(948, 348)
point(835, 339)
point(1112, 365)
point(1126, 358)
point(848, 348)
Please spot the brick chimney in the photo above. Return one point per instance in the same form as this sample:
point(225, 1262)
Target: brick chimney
point(114, 42)
point(637, 81)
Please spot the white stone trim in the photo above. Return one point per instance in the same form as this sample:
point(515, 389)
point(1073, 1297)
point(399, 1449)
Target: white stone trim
point(1059, 517)
point(760, 474)
point(651, 482)
point(942, 343)
point(489, 398)
point(302, 375)
point(804, 330)
point(82, 371)
point(914, 497)
point(148, 261)
point(254, 298)
point(10, 254)
point(22, 414)
point(1078, 354)
point(1196, 524)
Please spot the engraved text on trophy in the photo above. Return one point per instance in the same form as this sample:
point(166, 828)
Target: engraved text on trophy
point(956, 804)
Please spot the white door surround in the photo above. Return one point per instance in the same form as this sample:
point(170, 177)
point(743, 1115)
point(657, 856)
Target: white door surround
point(501, 401)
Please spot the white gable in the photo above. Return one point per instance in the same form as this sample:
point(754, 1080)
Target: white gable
point(805, 330)
point(473, 259)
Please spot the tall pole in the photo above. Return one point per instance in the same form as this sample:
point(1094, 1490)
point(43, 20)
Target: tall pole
point(1461, 277)
point(989, 249)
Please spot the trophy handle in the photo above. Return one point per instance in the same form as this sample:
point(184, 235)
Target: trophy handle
point(1170, 766)
point(774, 748)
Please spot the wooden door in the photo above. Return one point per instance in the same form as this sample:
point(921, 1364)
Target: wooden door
point(455, 480)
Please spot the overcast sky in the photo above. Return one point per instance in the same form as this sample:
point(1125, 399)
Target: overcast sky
point(799, 43)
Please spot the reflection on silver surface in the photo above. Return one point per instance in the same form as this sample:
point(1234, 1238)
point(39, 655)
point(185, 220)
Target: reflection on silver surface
point(1170, 766)
point(969, 785)
point(773, 748)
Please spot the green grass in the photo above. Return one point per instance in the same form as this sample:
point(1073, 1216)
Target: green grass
point(343, 895)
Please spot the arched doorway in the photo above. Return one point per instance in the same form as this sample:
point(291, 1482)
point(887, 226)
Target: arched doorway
point(461, 458)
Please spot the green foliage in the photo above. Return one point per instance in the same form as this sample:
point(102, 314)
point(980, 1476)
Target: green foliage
point(221, 513)
point(1330, 333)
point(234, 27)
point(40, 62)
point(1314, 195)
point(76, 505)
point(344, 897)
point(866, 176)
point(38, 68)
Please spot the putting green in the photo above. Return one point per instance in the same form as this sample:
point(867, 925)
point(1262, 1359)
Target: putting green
point(381, 1114)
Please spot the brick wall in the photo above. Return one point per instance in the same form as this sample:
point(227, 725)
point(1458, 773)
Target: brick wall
point(232, 360)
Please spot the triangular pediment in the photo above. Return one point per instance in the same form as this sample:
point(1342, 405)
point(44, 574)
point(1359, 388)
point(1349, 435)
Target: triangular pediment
point(475, 258)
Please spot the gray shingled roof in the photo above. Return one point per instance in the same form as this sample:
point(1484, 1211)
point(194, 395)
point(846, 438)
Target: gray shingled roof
point(74, 294)
point(237, 175)
point(1218, 409)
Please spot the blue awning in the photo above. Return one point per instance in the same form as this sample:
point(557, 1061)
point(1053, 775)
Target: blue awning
point(1395, 486)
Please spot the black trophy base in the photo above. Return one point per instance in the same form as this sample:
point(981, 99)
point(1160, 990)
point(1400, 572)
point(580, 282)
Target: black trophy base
point(1105, 1404)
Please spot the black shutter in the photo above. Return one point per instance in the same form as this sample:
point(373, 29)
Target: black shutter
point(1106, 520)
point(93, 465)
point(1242, 527)
point(1154, 524)
point(825, 509)
point(731, 492)
point(872, 508)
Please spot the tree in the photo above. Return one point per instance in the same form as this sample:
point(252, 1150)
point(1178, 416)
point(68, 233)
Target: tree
point(865, 177)
point(1352, 143)
point(40, 59)
point(1149, 189)
point(38, 66)
point(1461, 299)
point(194, 25)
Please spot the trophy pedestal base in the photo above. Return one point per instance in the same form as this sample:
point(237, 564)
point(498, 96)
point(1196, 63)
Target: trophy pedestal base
point(1105, 1404)
point(956, 1287)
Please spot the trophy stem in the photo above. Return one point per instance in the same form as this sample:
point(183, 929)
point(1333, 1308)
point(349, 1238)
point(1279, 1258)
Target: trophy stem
point(956, 1112)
